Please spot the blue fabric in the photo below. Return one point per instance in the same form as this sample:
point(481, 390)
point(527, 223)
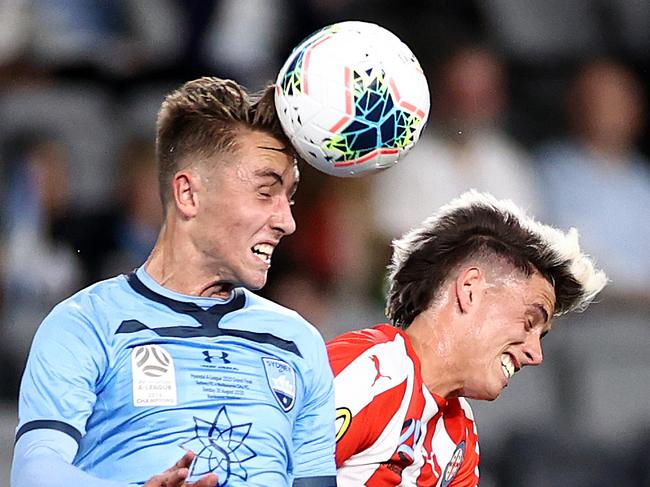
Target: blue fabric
point(42, 455)
point(255, 409)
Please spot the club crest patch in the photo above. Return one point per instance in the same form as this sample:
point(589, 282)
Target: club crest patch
point(454, 464)
point(282, 381)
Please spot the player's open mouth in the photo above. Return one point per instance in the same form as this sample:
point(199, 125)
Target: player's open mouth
point(508, 365)
point(263, 252)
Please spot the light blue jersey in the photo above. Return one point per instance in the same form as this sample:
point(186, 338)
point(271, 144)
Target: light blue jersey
point(136, 374)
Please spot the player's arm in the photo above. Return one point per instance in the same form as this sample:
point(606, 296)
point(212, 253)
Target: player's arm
point(57, 395)
point(66, 363)
point(43, 458)
point(313, 436)
point(364, 405)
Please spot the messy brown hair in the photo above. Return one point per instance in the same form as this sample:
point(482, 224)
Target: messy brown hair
point(478, 226)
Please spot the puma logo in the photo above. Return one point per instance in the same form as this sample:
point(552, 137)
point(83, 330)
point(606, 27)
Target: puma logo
point(378, 375)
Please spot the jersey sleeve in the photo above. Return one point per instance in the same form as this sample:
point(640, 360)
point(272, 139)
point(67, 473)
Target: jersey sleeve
point(313, 436)
point(66, 362)
point(42, 458)
point(370, 386)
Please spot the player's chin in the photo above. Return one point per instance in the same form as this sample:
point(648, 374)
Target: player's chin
point(492, 396)
point(487, 395)
point(256, 281)
point(493, 388)
point(487, 391)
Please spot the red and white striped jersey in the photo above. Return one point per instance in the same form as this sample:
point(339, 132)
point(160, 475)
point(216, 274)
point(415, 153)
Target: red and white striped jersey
point(390, 429)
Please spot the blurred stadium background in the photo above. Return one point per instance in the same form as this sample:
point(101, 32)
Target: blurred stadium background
point(543, 101)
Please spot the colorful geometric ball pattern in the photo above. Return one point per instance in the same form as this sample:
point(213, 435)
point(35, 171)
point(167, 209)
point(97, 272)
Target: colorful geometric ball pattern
point(352, 98)
point(377, 122)
point(291, 82)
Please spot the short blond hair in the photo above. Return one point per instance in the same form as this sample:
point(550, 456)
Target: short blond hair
point(205, 116)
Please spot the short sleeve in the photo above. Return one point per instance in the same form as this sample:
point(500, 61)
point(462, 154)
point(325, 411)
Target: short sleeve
point(364, 411)
point(65, 364)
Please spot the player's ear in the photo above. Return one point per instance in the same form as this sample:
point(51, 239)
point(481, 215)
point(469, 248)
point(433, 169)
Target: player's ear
point(469, 286)
point(184, 187)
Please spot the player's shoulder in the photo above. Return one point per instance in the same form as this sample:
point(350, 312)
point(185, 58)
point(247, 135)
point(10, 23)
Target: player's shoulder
point(366, 337)
point(358, 341)
point(256, 302)
point(80, 313)
point(90, 298)
point(280, 320)
point(383, 344)
point(272, 310)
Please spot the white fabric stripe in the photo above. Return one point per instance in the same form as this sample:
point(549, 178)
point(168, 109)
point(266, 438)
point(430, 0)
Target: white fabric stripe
point(467, 409)
point(354, 384)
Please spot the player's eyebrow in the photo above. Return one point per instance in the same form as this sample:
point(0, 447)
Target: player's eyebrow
point(276, 149)
point(267, 172)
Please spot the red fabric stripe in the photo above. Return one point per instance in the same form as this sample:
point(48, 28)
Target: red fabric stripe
point(369, 423)
point(455, 421)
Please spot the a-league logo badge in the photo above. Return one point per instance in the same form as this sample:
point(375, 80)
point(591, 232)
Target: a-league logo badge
point(153, 376)
point(282, 380)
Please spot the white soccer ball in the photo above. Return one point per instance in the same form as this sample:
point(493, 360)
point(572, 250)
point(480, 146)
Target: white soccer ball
point(352, 98)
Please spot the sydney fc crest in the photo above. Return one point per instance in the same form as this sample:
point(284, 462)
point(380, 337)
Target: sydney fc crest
point(282, 380)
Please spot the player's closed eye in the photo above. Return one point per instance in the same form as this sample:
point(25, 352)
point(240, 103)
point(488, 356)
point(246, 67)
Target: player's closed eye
point(265, 191)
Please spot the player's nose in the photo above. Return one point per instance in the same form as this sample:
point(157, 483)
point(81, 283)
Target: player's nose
point(283, 220)
point(533, 350)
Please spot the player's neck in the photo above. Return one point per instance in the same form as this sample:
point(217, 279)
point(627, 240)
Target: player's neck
point(175, 266)
point(437, 352)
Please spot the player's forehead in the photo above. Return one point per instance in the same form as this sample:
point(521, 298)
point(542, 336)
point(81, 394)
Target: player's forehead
point(533, 294)
point(252, 149)
point(262, 160)
point(258, 149)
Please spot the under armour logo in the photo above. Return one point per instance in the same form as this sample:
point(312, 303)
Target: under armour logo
point(378, 375)
point(208, 358)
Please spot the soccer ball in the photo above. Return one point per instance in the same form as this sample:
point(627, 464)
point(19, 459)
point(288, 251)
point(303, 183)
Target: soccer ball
point(352, 98)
